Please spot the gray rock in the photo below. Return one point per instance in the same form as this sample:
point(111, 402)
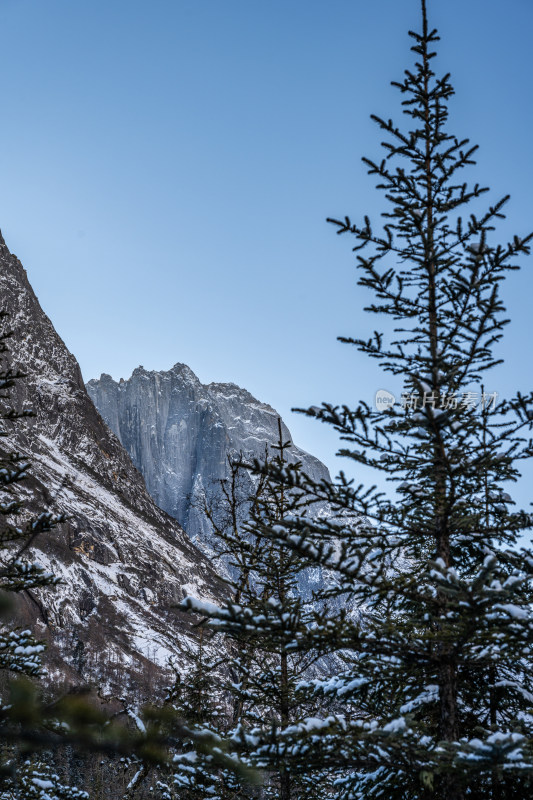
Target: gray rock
point(180, 432)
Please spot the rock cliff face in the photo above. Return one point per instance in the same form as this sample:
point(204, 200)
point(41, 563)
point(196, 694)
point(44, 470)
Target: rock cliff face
point(123, 561)
point(180, 432)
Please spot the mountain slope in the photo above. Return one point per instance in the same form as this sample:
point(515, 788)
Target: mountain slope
point(123, 561)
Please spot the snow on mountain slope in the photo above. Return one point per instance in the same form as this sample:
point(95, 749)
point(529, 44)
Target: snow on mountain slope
point(124, 562)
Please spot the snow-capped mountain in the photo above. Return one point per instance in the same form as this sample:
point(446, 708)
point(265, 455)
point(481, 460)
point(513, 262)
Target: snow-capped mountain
point(180, 432)
point(124, 563)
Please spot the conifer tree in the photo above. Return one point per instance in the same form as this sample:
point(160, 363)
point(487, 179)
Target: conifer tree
point(35, 780)
point(436, 697)
point(195, 697)
point(198, 764)
point(263, 673)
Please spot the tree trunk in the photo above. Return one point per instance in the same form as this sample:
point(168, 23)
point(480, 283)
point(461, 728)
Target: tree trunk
point(285, 778)
point(450, 789)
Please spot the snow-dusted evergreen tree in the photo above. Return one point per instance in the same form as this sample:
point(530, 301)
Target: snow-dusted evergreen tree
point(262, 611)
point(35, 780)
point(192, 722)
point(195, 697)
point(438, 689)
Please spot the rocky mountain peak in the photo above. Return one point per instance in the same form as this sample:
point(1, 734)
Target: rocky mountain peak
point(180, 432)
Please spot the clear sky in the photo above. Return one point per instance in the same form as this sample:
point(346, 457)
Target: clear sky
point(167, 168)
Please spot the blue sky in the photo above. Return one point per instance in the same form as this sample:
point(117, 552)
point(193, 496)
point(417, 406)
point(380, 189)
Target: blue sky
point(167, 168)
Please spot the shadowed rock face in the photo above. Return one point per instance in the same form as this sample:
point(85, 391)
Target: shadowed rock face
point(180, 432)
point(124, 562)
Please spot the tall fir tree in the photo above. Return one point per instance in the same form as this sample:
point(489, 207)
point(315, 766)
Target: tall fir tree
point(196, 697)
point(436, 698)
point(263, 674)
